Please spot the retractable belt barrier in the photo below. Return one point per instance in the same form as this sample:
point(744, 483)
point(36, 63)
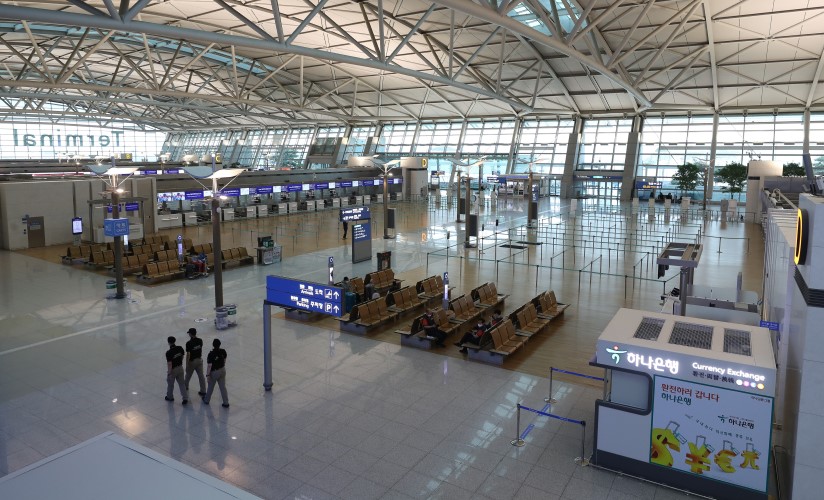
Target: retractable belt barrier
point(519, 441)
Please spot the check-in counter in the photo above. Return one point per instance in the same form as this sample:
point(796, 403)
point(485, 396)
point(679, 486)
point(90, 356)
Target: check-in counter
point(380, 198)
point(358, 200)
point(310, 205)
point(251, 211)
point(227, 214)
point(166, 221)
point(344, 202)
point(262, 211)
point(293, 207)
point(190, 219)
point(336, 202)
point(367, 200)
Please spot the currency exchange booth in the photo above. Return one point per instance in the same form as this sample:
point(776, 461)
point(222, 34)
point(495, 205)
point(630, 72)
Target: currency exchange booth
point(688, 402)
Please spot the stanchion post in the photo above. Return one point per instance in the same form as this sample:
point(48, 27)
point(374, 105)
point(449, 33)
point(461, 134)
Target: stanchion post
point(549, 399)
point(518, 441)
point(582, 460)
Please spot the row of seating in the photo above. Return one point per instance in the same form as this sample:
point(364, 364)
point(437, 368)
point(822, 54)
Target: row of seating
point(430, 288)
point(149, 249)
point(524, 322)
point(154, 272)
point(404, 300)
point(416, 335)
point(487, 296)
point(381, 280)
point(528, 321)
point(82, 253)
point(236, 257)
point(548, 305)
point(150, 239)
point(464, 309)
point(134, 263)
point(201, 248)
point(104, 258)
point(370, 314)
point(166, 255)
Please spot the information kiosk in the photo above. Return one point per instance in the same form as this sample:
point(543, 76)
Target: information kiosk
point(687, 402)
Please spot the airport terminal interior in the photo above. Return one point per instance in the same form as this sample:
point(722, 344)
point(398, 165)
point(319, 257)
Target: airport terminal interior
point(507, 249)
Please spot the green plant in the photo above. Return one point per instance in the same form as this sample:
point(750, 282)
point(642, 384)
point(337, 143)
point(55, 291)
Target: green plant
point(793, 169)
point(734, 175)
point(687, 177)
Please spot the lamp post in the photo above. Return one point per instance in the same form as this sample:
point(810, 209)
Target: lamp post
point(212, 172)
point(114, 189)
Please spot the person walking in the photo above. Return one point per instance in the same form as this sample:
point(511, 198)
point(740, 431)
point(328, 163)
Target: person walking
point(216, 373)
point(345, 228)
point(174, 371)
point(194, 361)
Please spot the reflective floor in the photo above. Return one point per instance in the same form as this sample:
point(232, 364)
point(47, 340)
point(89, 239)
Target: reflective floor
point(349, 417)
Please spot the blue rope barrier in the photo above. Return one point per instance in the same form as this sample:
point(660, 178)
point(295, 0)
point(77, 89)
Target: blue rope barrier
point(576, 374)
point(539, 412)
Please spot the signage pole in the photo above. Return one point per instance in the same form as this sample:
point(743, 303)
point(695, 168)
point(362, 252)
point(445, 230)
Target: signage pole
point(216, 242)
point(385, 203)
point(120, 293)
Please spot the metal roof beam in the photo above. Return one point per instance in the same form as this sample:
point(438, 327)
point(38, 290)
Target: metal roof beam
point(175, 32)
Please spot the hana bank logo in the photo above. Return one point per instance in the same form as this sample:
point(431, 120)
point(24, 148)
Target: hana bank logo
point(616, 353)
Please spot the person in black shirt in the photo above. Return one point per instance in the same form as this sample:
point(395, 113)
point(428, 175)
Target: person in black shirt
point(216, 372)
point(431, 329)
point(194, 361)
point(174, 371)
point(473, 336)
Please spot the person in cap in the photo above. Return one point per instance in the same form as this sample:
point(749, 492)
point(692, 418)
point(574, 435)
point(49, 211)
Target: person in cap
point(431, 329)
point(216, 373)
point(473, 336)
point(174, 371)
point(194, 361)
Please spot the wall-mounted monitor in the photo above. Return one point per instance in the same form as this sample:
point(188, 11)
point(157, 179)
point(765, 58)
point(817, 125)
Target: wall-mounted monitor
point(244, 191)
point(77, 225)
point(276, 189)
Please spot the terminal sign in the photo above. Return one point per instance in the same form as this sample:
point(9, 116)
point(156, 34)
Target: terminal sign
point(304, 295)
point(116, 227)
point(355, 213)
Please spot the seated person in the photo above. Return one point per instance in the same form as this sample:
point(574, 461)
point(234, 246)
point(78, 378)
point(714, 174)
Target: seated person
point(199, 263)
point(431, 329)
point(496, 318)
point(394, 287)
point(345, 285)
point(473, 336)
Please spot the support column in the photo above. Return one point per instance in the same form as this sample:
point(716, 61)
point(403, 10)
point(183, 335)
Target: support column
point(340, 149)
point(571, 163)
point(806, 147)
point(516, 138)
point(631, 158)
point(710, 176)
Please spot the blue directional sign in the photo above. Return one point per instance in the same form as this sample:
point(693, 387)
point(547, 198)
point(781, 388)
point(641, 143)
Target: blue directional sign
point(304, 295)
point(116, 227)
point(368, 182)
point(194, 195)
point(264, 189)
point(345, 184)
point(292, 188)
point(132, 207)
point(771, 325)
point(321, 185)
point(230, 191)
point(355, 213)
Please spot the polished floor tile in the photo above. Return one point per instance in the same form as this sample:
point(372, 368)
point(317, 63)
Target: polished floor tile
point(349, 417)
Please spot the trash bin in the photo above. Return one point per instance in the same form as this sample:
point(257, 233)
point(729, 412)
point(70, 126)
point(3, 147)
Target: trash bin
point(231, 314)
point(221, 318)
point(111, 284)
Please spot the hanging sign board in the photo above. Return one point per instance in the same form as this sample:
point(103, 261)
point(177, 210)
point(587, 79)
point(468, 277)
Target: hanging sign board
point(116, 227)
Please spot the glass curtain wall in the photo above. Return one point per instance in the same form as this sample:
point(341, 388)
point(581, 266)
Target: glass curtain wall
point(604, 144)
point(490, 138)
point(817, 142)
point(544, 142)
point(670, 141)
point(396, 140)
point(439, 141)
point(741, 138)
point(358, 138)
